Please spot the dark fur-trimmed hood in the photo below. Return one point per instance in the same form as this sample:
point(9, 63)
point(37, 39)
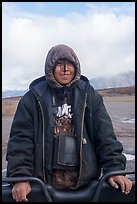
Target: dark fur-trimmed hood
point(54, 55)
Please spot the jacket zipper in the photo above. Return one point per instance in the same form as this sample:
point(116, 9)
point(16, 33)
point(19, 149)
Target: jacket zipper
point(43, 135)
point(81, 136)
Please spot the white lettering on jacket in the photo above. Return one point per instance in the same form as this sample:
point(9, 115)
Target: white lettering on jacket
point(65, 109)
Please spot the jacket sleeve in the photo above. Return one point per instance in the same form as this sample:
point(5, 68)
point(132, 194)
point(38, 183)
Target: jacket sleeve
point(20, 145)
point(108, 148)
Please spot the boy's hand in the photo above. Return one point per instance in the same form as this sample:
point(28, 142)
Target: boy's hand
point(123, 181)
point(20, 191)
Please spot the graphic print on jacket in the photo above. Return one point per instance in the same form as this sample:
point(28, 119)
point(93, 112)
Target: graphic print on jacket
point(65, 162)
point(63, 121)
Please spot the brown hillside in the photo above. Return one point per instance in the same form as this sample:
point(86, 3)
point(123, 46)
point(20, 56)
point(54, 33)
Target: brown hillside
point(9, 105)
point(118, 91)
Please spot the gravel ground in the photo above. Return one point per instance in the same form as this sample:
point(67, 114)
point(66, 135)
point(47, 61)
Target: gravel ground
point(123, 118)
point(122, 115)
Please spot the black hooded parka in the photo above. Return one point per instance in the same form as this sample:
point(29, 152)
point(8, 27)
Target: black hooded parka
point(30, 146)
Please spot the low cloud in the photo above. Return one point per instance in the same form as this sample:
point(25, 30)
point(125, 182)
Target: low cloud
point(103, 41)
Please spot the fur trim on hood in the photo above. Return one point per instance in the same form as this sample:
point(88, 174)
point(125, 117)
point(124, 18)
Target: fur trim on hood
point(54, 55)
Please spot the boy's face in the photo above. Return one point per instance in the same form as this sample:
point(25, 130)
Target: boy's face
point(64, 72)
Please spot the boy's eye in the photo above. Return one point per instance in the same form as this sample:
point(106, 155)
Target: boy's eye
point(58, 63)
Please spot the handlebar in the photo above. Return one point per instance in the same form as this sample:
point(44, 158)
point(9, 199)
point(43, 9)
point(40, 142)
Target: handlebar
point(44, 188)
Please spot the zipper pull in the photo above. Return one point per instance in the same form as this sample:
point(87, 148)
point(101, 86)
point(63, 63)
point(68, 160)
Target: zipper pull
point(84, 141)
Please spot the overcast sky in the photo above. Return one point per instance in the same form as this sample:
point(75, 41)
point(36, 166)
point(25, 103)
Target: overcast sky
point(101, 34)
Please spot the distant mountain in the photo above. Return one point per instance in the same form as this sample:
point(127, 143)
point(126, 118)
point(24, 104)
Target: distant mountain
point(119, 80)
point(13, 93)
